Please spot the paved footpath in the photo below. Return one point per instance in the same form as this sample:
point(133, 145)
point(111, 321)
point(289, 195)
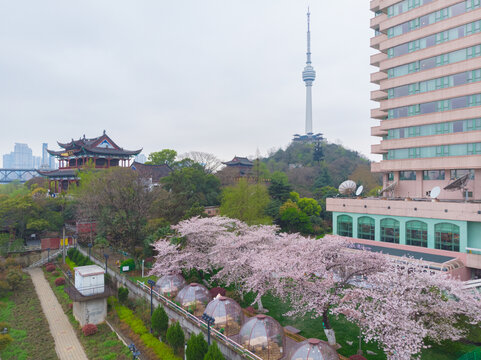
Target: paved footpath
point(67, 344)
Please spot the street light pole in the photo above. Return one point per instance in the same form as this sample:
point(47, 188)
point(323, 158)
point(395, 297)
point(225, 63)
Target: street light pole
point(151, 283)
point(90, 249)
point(48, 255)
point(106, 258)
point(210, 321)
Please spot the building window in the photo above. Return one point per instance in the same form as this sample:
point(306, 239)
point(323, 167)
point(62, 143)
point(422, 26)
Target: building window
point(344, 225)
point(407, 175)
point(390, 176)
point(433, 175)
point(446, 236)
point(417, 233)
point(390, 231)
point(365, 228)
point(456, 174)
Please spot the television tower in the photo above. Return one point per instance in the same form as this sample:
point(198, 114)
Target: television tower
point(308, 76)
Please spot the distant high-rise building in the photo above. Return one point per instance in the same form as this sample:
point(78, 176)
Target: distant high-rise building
point(20, 158)
point(48, 161)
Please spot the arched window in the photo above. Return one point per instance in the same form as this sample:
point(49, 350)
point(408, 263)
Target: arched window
point(446, 236)
point(417, 233)
point(365, 228)
point(344, 225)
point(390, 230)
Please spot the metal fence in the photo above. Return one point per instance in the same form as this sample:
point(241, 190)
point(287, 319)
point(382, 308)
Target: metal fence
point(475, 355)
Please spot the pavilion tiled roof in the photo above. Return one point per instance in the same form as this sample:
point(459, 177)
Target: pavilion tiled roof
point(102, 145)
point(237, 160)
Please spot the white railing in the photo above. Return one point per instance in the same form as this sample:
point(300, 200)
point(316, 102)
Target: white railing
point(472, 284)
point(216, 334)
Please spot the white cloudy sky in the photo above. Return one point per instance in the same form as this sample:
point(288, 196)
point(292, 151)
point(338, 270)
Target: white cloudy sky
point(219, 76)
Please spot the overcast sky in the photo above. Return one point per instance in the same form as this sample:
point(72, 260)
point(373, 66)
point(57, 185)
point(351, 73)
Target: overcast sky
point(217, 76)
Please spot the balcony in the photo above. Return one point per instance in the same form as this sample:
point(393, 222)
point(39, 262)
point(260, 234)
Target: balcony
point(378, 95)
point(378, 114)
point(378, 131)
point(377, 149)
point(377, 58)
point(377, 40)
point(377, 77)
point(374, 5)
point(375, 21)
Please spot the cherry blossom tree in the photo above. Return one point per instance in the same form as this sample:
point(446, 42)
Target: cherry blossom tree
point(407, 304)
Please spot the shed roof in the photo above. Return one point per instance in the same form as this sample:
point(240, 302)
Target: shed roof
point(89, 270)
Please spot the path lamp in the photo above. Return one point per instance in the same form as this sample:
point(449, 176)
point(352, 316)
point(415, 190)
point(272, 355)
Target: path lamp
point(151, 283)
point(135, 352)
point(4, 331)
point(90, 248)
point(106, 258)
point(48, 255)
point(210, 321)
point(69, 275)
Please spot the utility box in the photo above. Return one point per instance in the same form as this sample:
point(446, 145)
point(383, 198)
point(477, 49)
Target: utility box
point(89, 280)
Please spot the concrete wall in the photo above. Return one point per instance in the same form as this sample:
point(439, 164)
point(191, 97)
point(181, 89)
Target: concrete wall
point(90, 312)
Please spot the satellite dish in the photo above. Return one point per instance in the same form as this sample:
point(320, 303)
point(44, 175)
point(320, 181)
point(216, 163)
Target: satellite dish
point(348, 187)
point(435, 192)
point(359, 190)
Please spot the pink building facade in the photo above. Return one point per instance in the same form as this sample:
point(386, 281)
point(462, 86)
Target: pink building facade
point(429, 130)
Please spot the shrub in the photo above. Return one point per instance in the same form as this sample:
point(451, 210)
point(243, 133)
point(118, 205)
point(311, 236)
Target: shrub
point(123, 294)
point(129, 262)
point(70, 306)
point(175, 337)
point(5, 339)
point(160, 321)
point(214, 353)
point(89, 329)
point(10, 262)
point(14, 279)
point(4, 288)
point(59, 281)
point(55, 273)
point(50, 267)
point(196, 347)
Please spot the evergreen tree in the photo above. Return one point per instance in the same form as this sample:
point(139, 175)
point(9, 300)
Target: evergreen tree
point(175, 337)
point(214, 353)
point(196, 347)
point(279, 187)
point(160, 321)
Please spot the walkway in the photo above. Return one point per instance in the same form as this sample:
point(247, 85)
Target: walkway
point(67, 344)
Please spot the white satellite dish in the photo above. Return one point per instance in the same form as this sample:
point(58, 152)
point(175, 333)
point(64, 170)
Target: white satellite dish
point(435, 192)
point(348, 187)
point(359, 190)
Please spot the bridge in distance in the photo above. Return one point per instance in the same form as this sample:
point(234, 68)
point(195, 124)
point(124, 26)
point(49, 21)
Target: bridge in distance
point(21, 175)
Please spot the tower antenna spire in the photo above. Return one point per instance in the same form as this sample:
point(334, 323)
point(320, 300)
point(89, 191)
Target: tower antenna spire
point(308, 36)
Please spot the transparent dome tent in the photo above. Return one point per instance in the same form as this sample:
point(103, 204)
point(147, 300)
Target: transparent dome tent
point(169, 285)
point(314, 349)
point(194, 298)
point(264, 337)
point(227, 315)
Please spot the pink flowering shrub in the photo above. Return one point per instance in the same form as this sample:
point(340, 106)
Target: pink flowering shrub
point(50, 267)
point(89, 329)
point(59, 281)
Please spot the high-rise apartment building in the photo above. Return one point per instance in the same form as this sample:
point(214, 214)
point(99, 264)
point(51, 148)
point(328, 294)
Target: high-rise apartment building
point(429, 130)
point(20, 158)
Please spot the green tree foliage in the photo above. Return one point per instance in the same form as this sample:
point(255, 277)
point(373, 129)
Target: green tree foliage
point(119, 201)
point(196, 347)
point(214, 353)
point(301, 215)
point(246, 202)
point(160, 321)
point(279, 187)
point(165, 156)
point(175, 337)
point(309, 206)
point(14, 279)
point(123, 294)
point(185, 190)
point(294, 220)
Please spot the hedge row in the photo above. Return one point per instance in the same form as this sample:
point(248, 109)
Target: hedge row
point(78, 258)
point(163, 351)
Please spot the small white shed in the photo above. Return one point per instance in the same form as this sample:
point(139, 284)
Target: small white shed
point(89, 280)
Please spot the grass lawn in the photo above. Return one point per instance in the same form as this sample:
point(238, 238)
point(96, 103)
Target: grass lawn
point(29, 327)
point(347, 331)
point(143, 279)
point(104, 345)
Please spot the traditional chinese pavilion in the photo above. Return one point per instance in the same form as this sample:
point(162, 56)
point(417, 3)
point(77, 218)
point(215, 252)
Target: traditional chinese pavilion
point(102, 152)
point(242, 164)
